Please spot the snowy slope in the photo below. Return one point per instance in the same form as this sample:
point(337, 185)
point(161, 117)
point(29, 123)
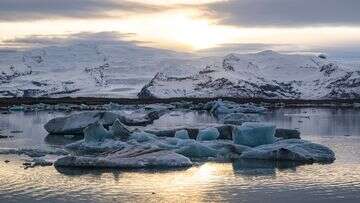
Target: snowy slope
point(265, 74)
point(87, 69)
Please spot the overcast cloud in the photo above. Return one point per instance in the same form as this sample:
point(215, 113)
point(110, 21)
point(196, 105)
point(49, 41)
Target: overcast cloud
point(287, 13)
point(27, 10)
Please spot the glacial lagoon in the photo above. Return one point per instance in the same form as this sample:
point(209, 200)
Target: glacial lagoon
point(237, 181)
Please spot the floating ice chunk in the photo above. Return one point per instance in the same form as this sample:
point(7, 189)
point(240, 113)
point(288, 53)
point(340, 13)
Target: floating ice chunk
point(119, 130)
point(96, 133)
point(208, 134)
point(254, 134)
point(291, 150)
point(194, 149)
point(33, 152)
point(76, 123)
point(142, 137)
point(182, 134)
point(219, 108)
point(37, 162)
point(149, 159)
point(240, 118)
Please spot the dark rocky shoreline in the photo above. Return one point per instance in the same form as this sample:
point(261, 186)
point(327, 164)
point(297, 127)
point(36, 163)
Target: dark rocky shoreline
point(346, 103)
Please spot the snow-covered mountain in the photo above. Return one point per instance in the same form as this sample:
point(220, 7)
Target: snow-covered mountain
point(266, 74)
point(87, 69)
point(125, 70)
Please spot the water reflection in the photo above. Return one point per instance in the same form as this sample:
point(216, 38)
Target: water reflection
point(262, 167)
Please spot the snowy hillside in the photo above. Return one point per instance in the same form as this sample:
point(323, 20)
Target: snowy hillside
point(265, 74)
point(113, 70)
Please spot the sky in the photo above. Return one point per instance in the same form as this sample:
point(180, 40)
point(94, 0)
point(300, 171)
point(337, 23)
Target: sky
point(188, 25)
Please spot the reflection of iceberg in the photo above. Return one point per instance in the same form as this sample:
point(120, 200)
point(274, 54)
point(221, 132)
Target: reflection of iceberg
point(251, 167)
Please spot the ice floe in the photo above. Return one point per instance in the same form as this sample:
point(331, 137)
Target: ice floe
point(291, 150)
point(142, 158)
point(33, 152)
point(76, 123)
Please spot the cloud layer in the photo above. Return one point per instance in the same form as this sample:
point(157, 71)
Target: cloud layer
point(26, 10)
point(245, 13)
point(286, 13)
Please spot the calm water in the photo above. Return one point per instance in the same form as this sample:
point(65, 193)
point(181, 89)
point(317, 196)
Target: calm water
point(208, 182)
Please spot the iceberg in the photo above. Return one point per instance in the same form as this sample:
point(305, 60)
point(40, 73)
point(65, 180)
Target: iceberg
point(146, 158)
point(254, 134)
point(219, 108)
point(76, 123)
point(208, 134)
point(182, 134)
point(291, 150)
